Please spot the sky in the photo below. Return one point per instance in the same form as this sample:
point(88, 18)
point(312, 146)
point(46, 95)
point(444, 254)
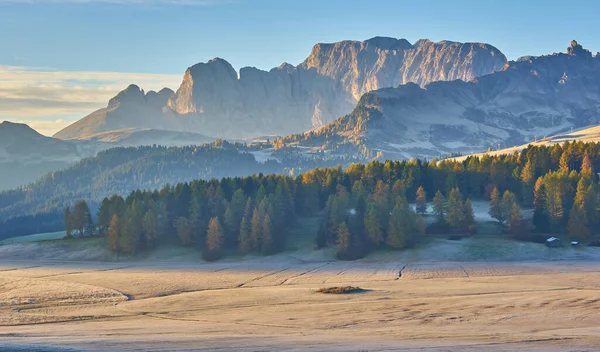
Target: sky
point(62, 59)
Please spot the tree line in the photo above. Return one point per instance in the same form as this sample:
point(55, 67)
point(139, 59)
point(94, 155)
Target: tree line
point(365, 206)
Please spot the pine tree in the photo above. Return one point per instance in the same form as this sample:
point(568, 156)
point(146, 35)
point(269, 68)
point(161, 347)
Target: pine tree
point(256, 228)
point(373, 227)
point(215, 239)
point(245, 240)
point(528, 179)
point(402, 225)
point(456, 216)
point(267, 242)
point(68, 222)
point(495, 206)
point(587, 167)
point(151, 228)
point(515, 219)
point(114, 231)
point(578, 223)
point(469, 216)
point(185, 231)
point(439, 206)
point(421, 201)
point(104, 215)
point(506, 205)
point(540, 217)
point(344, 242)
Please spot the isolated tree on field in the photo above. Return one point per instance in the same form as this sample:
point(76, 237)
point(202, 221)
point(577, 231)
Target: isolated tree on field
point(215, 238)
point(421, 201)
point(439, 206)
point(495, 206)
point(114, 231)
point(68, 222)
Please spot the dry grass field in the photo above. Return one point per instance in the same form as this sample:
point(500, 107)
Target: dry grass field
point(272, 304)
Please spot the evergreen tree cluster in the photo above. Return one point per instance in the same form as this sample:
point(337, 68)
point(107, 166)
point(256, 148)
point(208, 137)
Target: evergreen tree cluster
point(243, 215)
point(365, 206)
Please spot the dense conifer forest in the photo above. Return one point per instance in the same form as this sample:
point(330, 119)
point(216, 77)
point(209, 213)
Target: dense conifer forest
point(38, 207)
point(361, 208)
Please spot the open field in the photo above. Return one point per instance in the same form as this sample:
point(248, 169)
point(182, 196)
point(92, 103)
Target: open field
point(271, 304)
point(480, 293)
point(35, 238)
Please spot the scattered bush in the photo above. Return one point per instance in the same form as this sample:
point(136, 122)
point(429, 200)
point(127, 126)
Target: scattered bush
point(340, 290)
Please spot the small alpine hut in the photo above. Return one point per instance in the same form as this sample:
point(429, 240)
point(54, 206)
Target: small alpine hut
point(553, 242)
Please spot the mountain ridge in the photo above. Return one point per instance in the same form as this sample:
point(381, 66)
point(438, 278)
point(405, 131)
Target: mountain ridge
point(215, 100)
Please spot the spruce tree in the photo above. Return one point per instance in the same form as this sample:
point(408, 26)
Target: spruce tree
point(577, 227)
point(506, 205)
point(245, 239)
point(215, 239)
point(456, 216)
point(540, 217)
point(515, 220)
point(421, 201)
point(344, 245)
point(373, 228)
point(151, 228)
point(114, 231)
point(68, 222)
point(256, 228)
point(495, 206)
point(402, 225)
point(440, 207)
point(268, 245)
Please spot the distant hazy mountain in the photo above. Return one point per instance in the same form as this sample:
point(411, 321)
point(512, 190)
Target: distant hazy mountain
point(25, 154)
point(133, 137)
point(216, 101)
point(531, 97)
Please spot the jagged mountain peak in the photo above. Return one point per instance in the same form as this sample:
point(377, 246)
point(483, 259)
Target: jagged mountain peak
point(215, 100)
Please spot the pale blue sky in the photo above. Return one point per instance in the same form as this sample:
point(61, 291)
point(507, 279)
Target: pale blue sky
point(149, 37)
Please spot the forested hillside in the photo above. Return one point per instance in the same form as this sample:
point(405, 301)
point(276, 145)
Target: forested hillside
point(364, 207)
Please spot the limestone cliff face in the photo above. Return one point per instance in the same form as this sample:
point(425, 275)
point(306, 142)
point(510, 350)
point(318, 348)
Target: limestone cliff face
point(387, 62)
point(216, 101)
point(527, 99)
point(285, 99)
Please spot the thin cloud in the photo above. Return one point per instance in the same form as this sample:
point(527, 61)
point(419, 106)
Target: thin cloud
point(47, 128)
point(31, 94)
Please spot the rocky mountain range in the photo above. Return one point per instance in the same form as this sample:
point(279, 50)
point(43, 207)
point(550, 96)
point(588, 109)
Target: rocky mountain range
point(216, 101)
point(527, 99)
